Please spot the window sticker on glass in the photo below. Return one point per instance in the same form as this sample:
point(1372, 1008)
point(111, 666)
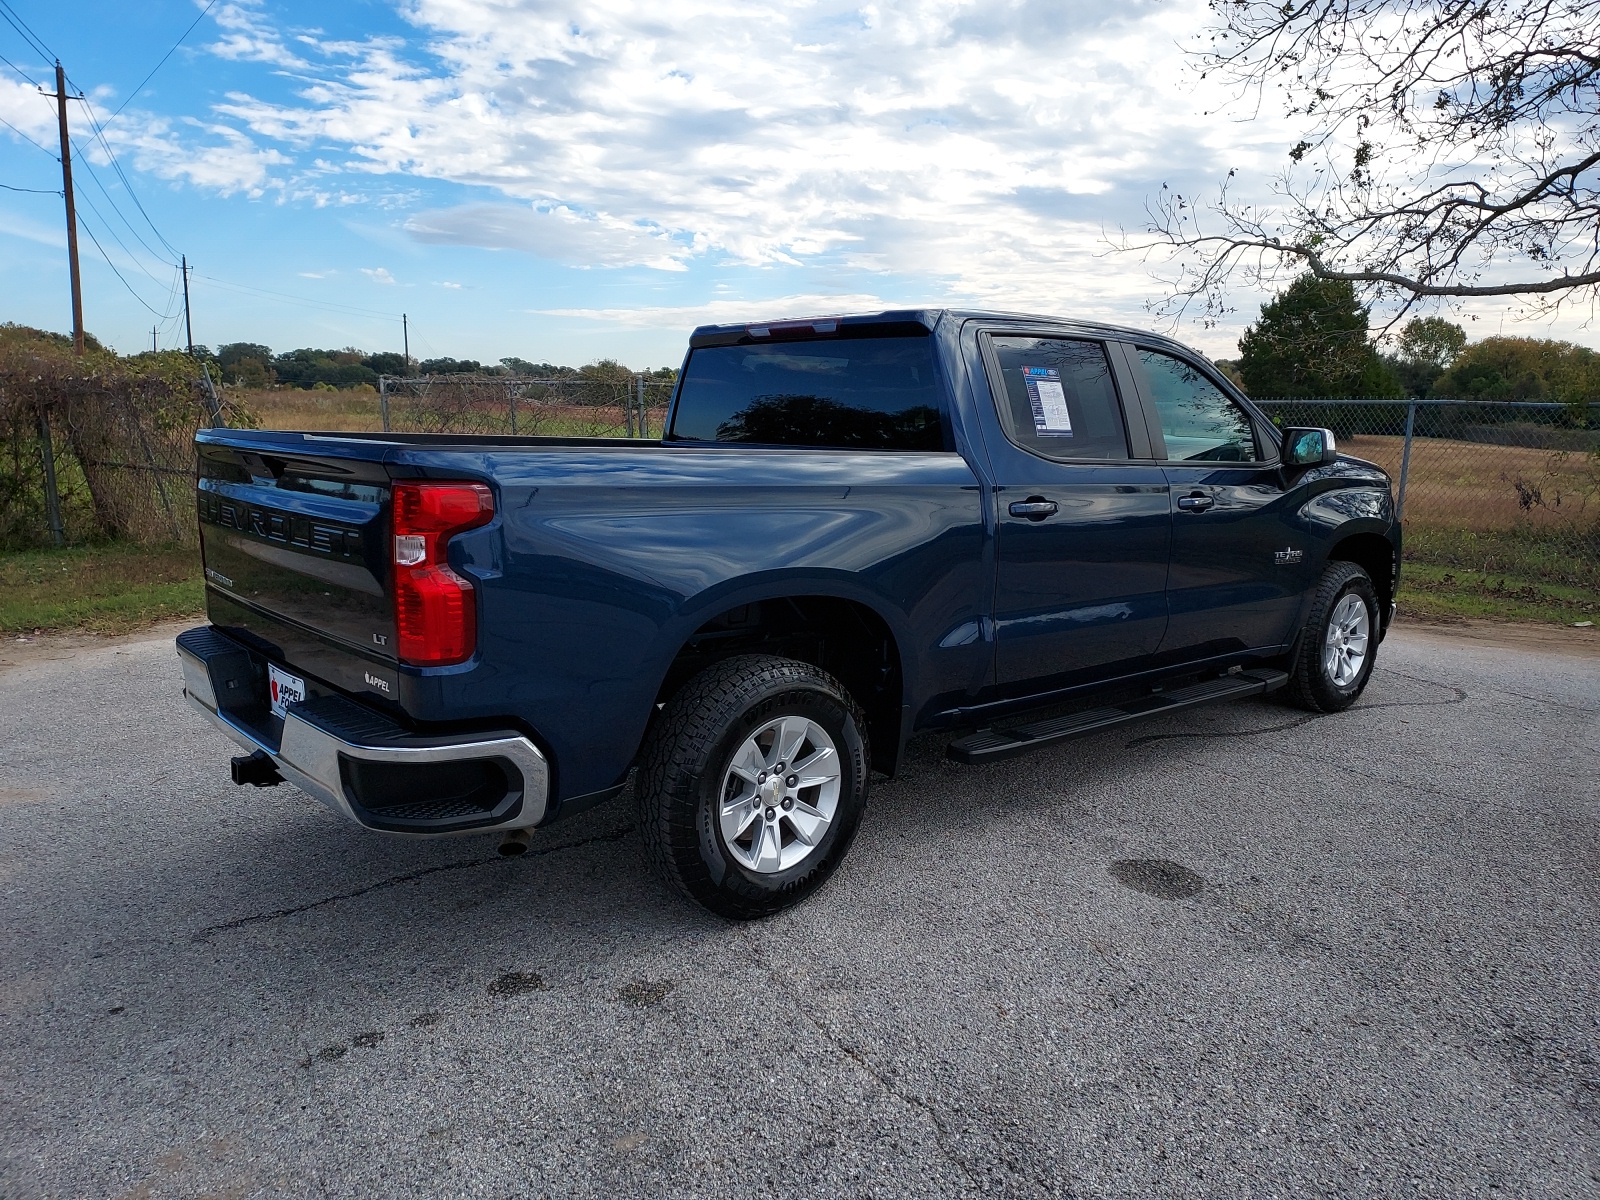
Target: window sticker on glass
point(1049, 401)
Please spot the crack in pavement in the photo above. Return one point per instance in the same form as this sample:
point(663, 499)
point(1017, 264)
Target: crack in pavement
point(1581, 708)
point(1459, 698)
point(614, 835)
point(940, 1131)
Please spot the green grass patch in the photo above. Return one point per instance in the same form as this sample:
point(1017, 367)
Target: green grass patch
point(98, 589)
point(1444, 593)
point(1563, 556)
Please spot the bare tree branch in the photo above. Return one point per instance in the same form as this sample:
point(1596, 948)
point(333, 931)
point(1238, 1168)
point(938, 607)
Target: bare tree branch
point(1450, 149)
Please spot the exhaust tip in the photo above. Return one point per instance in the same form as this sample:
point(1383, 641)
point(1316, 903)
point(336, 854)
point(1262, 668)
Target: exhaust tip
point(515, 843)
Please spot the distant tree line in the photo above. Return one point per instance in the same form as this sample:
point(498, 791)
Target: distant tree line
point(1313, 340)
point(252, 365)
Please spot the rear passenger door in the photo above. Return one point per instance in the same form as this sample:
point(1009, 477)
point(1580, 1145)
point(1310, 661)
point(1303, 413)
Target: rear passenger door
point(1083, 518)
point(1235, 581)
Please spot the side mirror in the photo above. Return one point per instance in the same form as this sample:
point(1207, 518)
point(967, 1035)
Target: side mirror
point(1308, 447)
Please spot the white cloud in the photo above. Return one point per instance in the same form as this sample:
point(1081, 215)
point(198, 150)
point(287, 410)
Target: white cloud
point(248, 37)
point(378, 275)
point(558, 234)
point(725, 312)
point(982, 150)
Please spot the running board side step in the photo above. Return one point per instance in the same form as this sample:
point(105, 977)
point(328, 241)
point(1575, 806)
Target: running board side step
point(1008, 741)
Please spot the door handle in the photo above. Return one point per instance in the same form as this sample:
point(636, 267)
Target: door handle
point(1198, 502)
point(1034, 508)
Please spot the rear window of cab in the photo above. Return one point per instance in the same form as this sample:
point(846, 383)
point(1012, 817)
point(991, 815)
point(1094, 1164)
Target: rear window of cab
point(861, 393)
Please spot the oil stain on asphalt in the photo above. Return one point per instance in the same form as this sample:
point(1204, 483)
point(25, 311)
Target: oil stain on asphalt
point(1157, 877)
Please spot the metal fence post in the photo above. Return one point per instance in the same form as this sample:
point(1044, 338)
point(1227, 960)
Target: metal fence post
point(627, 412)
point(1405, 460)
point(643, 420)
point(511, 394)
point(212, 402)
point(52, 498)
point(383, 401)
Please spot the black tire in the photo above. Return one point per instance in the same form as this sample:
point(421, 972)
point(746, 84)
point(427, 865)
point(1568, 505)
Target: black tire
point(1310, 684)
point(685, 762)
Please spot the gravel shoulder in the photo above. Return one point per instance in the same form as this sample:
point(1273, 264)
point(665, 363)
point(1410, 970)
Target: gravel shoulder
point(1235, 952)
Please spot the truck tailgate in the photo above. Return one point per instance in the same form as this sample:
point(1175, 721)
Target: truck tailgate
point(295, 548)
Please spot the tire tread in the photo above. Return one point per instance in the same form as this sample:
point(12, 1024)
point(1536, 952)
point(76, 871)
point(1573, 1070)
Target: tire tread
point(685, 730)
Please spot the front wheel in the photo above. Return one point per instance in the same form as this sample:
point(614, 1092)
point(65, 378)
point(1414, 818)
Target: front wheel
point(1333, 661)
point(753, 783)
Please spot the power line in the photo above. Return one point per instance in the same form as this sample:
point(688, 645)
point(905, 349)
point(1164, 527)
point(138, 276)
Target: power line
point(113, 266)
point(110, 199)
point(110, 229)
point(35, 191)
point(99, 132)
point(19, 70)
point(163, 61)
point(21, 26)
point(28, 139)
point(328, 304)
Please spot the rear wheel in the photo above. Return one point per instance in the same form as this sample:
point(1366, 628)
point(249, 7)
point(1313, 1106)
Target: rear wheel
point(1333, 661)
point(753, 783)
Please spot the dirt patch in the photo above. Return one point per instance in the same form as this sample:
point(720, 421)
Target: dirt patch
point(26, 651)
point(1544, 639)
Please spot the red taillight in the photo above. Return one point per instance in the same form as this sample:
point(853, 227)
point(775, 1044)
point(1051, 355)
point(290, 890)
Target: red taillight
point(434, 614)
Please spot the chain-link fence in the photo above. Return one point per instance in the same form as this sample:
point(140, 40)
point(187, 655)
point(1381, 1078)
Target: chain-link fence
point(1495, 486)
point(95, 452)
point(575, 406)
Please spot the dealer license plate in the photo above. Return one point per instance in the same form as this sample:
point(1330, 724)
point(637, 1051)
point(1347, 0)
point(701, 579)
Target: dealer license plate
point(284, 689)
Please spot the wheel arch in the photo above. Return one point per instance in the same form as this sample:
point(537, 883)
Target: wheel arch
point(1375, 554)
point(843, 634)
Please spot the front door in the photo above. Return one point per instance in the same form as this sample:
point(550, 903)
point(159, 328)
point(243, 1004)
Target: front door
point(1083, 526)
point(1239, 563)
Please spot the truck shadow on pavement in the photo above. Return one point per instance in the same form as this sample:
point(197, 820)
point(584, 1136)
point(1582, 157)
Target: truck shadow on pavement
point(593, 868)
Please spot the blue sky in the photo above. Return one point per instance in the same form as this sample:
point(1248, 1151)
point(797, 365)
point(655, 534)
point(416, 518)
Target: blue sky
point(564, 182)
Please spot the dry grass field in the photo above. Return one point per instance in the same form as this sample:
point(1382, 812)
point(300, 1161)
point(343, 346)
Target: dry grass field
point(358, 412)
point(1472, 485)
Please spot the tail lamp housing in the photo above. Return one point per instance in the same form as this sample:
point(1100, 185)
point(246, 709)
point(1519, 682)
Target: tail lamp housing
point(435, 613)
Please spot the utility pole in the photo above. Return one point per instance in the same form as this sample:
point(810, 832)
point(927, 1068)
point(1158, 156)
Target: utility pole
point(72, 211)
point(154, 347)
point(405, 333)
point(188, 329)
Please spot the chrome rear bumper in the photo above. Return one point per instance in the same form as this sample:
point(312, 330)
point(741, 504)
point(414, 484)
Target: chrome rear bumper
point(325, 741)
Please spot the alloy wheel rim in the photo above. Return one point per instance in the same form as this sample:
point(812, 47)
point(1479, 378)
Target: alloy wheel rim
point(779, 794)
point(1344, 650)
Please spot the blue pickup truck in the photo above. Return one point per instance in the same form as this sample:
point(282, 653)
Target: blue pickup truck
point(1014, 529)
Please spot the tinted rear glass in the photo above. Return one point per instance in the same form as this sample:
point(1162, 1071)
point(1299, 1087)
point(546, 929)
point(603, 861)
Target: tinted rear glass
point(849, 393)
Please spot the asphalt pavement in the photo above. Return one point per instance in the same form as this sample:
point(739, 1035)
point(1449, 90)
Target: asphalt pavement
point(1232, 952)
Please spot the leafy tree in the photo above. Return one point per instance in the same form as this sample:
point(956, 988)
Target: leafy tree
point(1426, 348)
point(1445, 150)
point(1230, 368)
point(387, 363)
point(1508, 368)
point(234, 352)
point(306, 368)
point(449, 366)
point(532, 370)
point(1431, 340)
point(1311, 340)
